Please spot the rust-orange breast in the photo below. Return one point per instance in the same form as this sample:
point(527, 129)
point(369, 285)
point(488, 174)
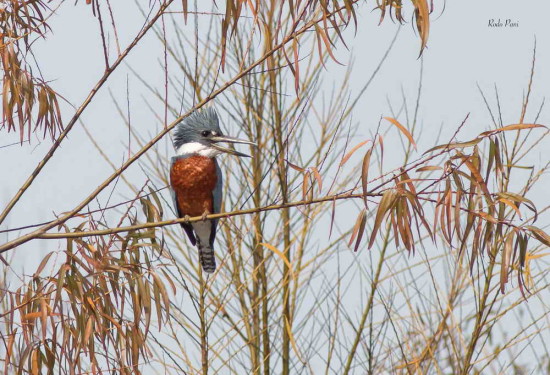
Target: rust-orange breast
point(193, 180)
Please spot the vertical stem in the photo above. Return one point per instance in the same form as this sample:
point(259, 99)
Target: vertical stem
point(259, 260)
point(280, 144)
point(256, 249)
point(286, 280)
point(265, 315)
point(370, 303)
point(285, 214)
point(480, 319)
point(204, 327)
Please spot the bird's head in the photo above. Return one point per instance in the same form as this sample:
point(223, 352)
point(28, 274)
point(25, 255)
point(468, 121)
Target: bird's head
point(200, 134)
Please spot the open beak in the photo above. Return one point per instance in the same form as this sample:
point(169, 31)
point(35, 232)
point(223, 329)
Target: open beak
point(227, 139)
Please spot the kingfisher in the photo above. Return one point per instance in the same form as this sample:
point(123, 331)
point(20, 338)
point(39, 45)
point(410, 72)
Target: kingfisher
point(196, 178)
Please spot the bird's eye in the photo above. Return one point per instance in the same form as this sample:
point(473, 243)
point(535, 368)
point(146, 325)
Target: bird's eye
point(205, 133)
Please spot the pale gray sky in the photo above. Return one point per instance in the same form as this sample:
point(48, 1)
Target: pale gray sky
point(463, 51)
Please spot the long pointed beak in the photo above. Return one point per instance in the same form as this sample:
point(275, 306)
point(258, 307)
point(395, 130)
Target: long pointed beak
point(227, 139)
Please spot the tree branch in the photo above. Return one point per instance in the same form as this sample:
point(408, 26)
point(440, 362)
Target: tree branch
point(198, 218)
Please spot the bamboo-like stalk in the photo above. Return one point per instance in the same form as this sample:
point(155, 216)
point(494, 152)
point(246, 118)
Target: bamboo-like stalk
point(370, 303)
point(286, 319)
point(259, 259)
point(203, 328)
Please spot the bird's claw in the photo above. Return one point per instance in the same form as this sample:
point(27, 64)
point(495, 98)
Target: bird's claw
point(204, 215)
point(187, 218)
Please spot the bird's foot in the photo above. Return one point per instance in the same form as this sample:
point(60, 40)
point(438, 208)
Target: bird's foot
point(204, 215)
point(187, 218)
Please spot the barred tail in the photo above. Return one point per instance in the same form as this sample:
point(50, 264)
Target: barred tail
point(207, 258)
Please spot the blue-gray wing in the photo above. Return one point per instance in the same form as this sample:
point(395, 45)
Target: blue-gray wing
point(186, 227)
point(217, 198)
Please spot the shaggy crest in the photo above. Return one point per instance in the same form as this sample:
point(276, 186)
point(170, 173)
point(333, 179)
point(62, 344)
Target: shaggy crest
point(190, 128)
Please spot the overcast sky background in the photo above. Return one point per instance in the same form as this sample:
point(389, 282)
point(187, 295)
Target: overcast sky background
point(462, 52)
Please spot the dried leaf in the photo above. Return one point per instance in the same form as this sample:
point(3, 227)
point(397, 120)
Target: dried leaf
point(362, 225)
point(429, 168)
point(159, 285)
point(318, 178)
point(519, 199)
point(487, 217)
point(539, 234)
point(60, 282)
point(33, 315)
point(403, 130)
point(305, 184)
point(365, 174)
point(451, 146)
point(505, 264)
point(43, 264)
point(352, 151)
point(477, 176)
point(512, 127)
point(422, 21)
point(282, 256)
point(358, 229)
point(323, 36)
point(511, 205)
point(35, 366)
point(185, 9)
point(333, 213)
point(386, 204)
point(295, 167)
point(88, 330)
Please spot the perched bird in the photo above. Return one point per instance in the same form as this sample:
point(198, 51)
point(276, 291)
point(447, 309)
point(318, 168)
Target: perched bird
point(196, 178)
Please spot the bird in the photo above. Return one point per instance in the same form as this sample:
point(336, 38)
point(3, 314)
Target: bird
point(196, 178)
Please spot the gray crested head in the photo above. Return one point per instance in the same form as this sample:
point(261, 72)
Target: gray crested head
point(198, 127)
point(200, 134)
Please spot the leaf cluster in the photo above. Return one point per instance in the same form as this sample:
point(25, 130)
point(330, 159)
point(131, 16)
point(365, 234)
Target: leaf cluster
point(27, 100)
